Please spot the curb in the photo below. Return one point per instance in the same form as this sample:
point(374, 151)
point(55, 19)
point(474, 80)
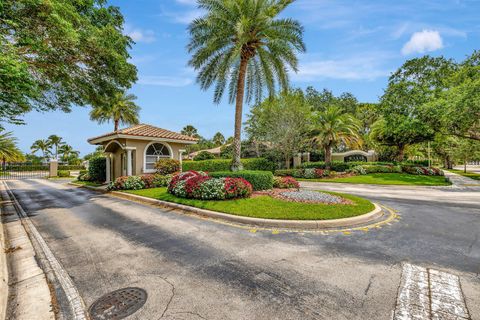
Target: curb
point(260, 222)
point(4, 292)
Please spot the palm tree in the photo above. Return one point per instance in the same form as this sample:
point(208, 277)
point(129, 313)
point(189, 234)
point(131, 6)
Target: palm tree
point(243, 46)
point(43, 146)
point(67, 151)
point(120, 109)
point(190, 131)
point(8, 149)
point(55, 141)
point(218, 139)
point(334, 126)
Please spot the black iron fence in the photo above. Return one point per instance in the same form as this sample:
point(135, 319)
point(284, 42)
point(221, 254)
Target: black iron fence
point(23, 170)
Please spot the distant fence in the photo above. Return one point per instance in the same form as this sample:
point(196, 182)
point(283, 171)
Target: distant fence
point(23, 170)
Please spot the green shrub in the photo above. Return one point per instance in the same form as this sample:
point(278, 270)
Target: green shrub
point(204, 155)
point(97, 169)
point(161, 180)
point(260, 180)
point(63, 173)
point(334, 165)
point(308, 173)
point(127, 183)
point(297, 173)
point(381, 169)
point(70, 167)
point(167, 166)
point(225, 164)
point(285, 183)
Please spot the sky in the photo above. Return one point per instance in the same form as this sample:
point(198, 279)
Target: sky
point(352, 46)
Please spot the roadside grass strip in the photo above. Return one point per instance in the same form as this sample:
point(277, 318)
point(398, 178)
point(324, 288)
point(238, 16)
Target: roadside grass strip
point(388, 179)
point(426, 293)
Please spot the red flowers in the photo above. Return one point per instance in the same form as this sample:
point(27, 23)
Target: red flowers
point(237, 188)
point(285, 183)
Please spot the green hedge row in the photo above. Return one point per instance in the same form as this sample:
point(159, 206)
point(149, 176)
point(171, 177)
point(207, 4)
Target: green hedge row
point(341, 166)
point(63, 173)
point(70, 167)
point(225, 164)
point(260, 180)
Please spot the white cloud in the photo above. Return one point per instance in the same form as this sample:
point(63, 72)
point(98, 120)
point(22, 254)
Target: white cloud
point(367, 67)
point(140, 35)
point(423, 41)
point(164, 81)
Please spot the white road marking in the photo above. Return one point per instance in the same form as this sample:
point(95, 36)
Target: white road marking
point(429, 294)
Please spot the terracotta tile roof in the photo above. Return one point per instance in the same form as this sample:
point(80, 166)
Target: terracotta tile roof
point(146, 130)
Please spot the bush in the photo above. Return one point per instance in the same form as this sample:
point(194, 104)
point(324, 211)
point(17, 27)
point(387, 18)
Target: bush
point(225, 165)
point(260, 180)
point(308, 173)
point(382, 169)
point(70, 167)
point(127, 183)
point(334, 165)
point(167, 166)
point(84, 177)
point(285, 182)
point(161, 180)
point(360, 170)
point(204, 155)
point(198, 185)
point(422, 170)
point(97, 169)
point(63, 173)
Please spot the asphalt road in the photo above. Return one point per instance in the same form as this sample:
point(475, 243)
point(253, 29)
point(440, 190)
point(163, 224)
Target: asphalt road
point(193, 268)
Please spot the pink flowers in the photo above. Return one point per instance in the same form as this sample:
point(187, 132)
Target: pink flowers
point(285, 183)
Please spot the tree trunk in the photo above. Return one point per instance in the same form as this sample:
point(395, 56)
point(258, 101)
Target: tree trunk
point(115, 125)
point(328, 156)
point(287, 161)
point(465, 166)
point(401, 153)
point(236, 163)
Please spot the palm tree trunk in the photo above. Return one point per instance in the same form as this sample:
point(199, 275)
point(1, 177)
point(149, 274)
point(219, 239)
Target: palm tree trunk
point(236, 163)
point(115, 124)
point(328, 156)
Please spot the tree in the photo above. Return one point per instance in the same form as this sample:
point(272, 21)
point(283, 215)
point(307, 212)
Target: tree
point(190, 131)
point(321, 100)
point(119, 109)
point(456, 110)
point(415, 83)
point(243, 46)
point(43, 146)
point(282, 121)
point(332, 127)
point(68, 153)
point(218, 139)
point(55, 141)
point(9, 151)
point(60, 53)
point(467, 150)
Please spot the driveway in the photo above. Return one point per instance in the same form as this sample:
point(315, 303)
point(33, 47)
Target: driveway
point(194, 268)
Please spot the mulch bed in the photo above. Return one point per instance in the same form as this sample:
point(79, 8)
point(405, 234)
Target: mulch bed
point(277, 193)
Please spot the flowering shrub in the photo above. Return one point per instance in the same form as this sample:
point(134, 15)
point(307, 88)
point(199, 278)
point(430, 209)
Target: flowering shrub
point(161, 180)
point(167, 166)
point(319, 173)
point(360, 170)
point(422, 171)
point(147, 180)
point(127, 183)
point(199, 185)
point(308, 173)
point(285, 183)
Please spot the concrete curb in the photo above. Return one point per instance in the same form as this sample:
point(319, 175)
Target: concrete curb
point(259, 222)
point(3, 272)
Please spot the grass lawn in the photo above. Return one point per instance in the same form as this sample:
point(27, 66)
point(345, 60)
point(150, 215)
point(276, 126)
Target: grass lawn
point(389, 179)
point(87, 183)
point(267, 207)
point(471, 175)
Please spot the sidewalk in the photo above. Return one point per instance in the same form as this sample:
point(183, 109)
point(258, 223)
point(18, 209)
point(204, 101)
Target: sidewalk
point(459, 181)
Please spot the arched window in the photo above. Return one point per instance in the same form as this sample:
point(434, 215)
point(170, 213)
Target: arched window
point(154, 152)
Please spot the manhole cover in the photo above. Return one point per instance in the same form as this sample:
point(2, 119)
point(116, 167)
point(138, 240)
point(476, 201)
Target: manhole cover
point(118, 304)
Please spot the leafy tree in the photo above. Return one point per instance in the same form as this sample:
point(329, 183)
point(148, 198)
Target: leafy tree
point(229, 140)
point(9, 151)
point(60, 53)
point(467, 150)
point(320, 101)
point(69, 154)
point(332, 127)
point(43, 146)
point(98, 152)
point(119, 109)
point(415, 83)
point(243, 46)
point(55, 141)
point(456, 111)
point(204, 155)
point(218, 139)
point(282, 121)
point(190, 131)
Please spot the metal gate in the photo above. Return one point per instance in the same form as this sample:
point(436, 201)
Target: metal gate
point(23, 170)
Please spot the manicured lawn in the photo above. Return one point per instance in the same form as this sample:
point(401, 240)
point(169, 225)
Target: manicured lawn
point(267, 207)
point(471, 175)
point(87, 183)
point(389, 179)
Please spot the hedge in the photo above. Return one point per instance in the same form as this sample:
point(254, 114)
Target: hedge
point(225, 164)
point(63, 173)
point(70, 167)
point(260, 180)
point(97, 169)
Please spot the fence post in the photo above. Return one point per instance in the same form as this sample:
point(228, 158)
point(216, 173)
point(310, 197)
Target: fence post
point(53, 168)
point(297, 160)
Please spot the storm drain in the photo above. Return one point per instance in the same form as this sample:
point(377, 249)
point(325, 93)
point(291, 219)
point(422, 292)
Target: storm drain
point(118, 304)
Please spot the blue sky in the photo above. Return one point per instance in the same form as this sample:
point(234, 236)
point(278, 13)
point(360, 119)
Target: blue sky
point(351, 46)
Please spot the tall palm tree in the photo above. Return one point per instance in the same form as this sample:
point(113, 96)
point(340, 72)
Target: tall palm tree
point(55, 141)
point(8, 148)
point(218, 139)
point(43, 146)
point(120, 109)
point(243, 46)
point(190, 131)
point(67, 151)
point(332, 127)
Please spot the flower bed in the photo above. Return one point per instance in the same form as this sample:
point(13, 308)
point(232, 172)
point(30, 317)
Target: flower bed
point(145, 181)
point(285, 183)
point(199, 185)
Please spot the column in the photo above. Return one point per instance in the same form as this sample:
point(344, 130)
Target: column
point(53, 168)
point(129, 162)
point(107, 168)
point(180, 157)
